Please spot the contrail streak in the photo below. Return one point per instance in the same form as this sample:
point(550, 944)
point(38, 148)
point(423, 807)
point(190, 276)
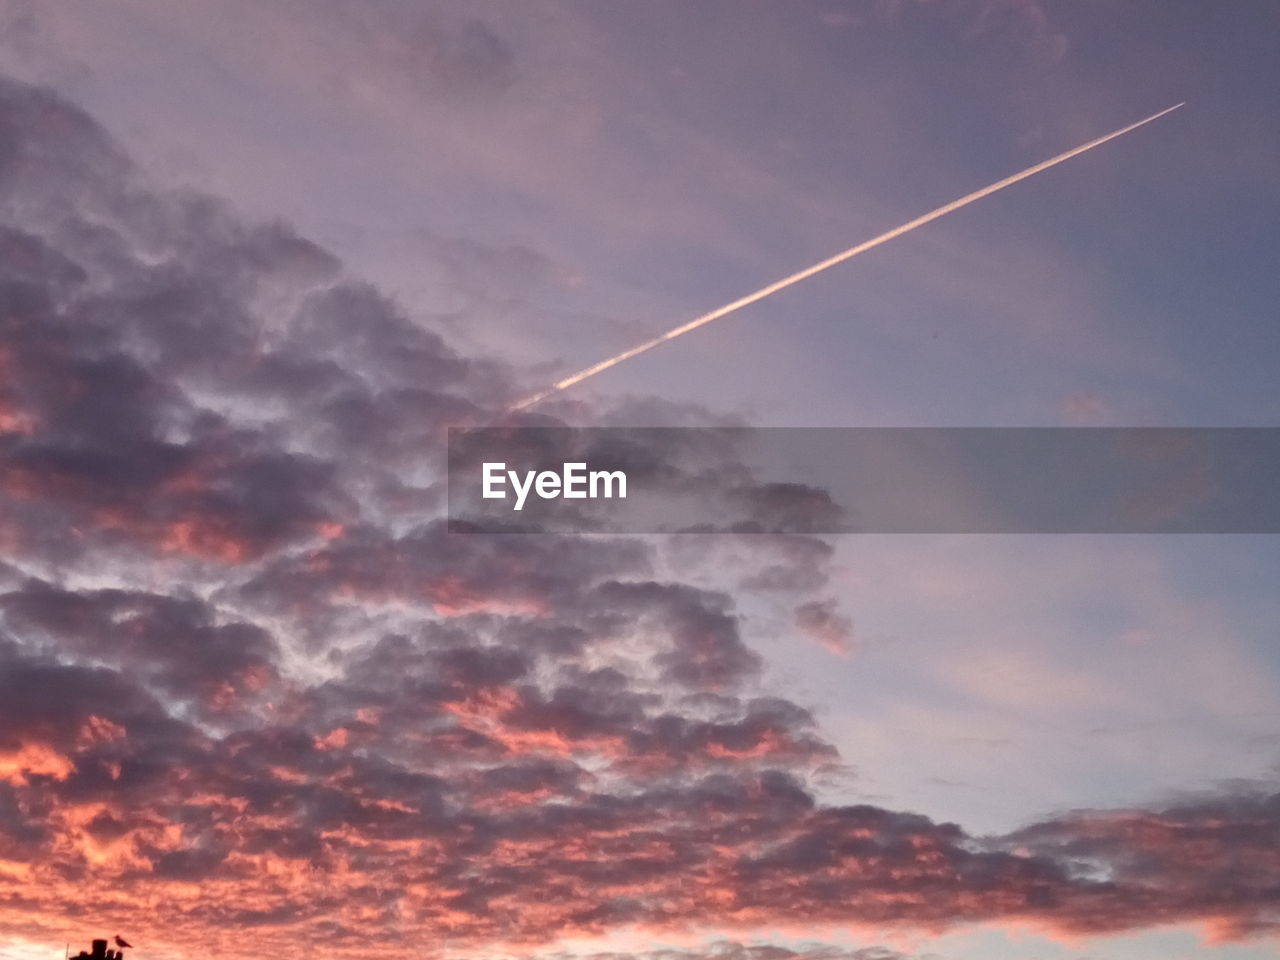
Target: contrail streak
point(773, 288)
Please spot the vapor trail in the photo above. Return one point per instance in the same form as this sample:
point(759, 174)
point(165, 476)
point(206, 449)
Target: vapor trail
point(866, 245)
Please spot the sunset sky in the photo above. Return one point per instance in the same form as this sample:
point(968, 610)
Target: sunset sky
point(256, 256)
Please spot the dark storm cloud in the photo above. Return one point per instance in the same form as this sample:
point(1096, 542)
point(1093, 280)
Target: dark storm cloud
point(454, 574)
point(706, 648)
point(139, 328)
point(173, 642)
point(253, 690)
point(95, 419)
point(125, 745)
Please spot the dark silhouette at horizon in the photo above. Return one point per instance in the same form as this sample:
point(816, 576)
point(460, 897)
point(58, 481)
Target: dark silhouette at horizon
point(99, 951)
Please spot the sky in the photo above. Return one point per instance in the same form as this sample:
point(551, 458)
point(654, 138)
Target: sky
point(256, 256)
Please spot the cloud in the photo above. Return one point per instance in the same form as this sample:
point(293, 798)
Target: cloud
point(176, 642)
point(821, 620)
point(733, 950)
point(252, 690)
point(1215, 856)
